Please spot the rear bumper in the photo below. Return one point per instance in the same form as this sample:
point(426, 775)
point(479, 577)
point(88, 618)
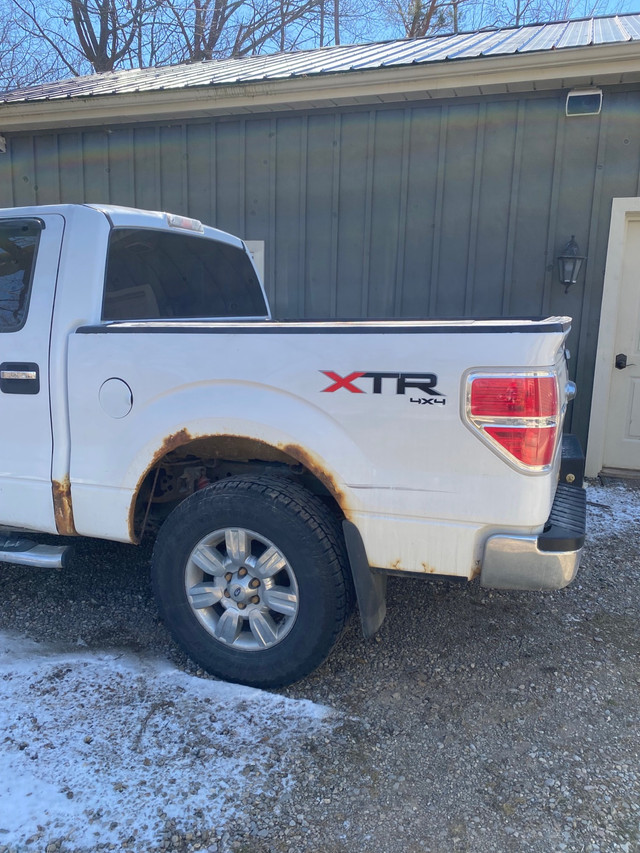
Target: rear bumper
point(548, 560)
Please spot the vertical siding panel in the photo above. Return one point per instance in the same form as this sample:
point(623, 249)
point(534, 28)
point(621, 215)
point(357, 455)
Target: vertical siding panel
point(257, 202)
point(47, 171)
point(493, 208)
point(289, 223)
point(551, 278)
point(335, 193)
point(456, 209)
point(146, 166)
point(199, 167)
point(318, 216)
point(475, 209)
point(270, 240)
point(352, 196)
point(121, 171)
point(366, 248)
point(96, 163)
point(172, 166)
point(438, 211)
point(385, 211)
point(71, 168)
point(6, 176)
point(302, 215)
point(402, 213)
point(23, 171)
point(230, 177)
point(424, 192)
point(513, 213)
point(533, 211)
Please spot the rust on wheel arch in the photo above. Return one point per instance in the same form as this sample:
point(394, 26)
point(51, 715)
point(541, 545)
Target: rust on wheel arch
point(62, 507)
point(314, 466)
point(171, 442)
point(227, 446)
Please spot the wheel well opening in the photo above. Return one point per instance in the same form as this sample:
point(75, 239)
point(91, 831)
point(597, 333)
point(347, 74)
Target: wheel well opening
point(197, 462)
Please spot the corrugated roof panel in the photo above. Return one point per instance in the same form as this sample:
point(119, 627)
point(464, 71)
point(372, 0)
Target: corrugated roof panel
point(417, 51)
point(629, 24)
point(327, 60)
point(482, 44)
point(545, 38)
point(507, 41)
point(576, 34)
point(608, 30)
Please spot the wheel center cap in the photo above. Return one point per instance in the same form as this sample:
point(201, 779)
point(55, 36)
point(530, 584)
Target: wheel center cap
point(239, 591)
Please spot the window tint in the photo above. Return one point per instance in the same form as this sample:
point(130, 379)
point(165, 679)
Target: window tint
point(18, 246)
point(160, 275)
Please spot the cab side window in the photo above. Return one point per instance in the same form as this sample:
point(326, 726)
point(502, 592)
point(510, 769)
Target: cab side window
point(159, 275)
point(18, 247)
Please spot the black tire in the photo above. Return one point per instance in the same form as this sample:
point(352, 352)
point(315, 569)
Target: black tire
point(253, 524)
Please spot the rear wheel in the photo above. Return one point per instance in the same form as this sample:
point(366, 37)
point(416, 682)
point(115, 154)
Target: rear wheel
point(251, 578)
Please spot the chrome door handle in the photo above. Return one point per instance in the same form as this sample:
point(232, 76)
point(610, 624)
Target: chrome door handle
point(19, 377)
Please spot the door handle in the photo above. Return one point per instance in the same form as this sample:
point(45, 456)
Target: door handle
point(19, 377)
point(621, 361)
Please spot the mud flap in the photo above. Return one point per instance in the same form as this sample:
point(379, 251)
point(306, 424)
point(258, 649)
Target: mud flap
point(371, 588)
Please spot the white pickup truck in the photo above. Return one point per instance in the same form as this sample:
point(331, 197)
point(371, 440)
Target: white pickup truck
point(287, 468)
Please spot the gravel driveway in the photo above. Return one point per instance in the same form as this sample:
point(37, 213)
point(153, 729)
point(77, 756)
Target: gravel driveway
point(476, 720)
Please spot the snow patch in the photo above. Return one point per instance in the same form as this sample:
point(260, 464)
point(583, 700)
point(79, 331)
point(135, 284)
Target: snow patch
point(612, 509)
point(107, 749)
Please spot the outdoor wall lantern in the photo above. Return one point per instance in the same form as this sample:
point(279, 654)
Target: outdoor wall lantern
point(569, 264)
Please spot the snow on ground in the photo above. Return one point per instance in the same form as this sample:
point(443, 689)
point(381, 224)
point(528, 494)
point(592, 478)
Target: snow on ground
point(110, 748)
point(612, 509)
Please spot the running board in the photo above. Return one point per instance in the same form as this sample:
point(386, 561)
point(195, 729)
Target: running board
point(25, 552)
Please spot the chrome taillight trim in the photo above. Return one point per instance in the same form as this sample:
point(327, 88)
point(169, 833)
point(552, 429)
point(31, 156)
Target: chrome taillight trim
point(478, 423)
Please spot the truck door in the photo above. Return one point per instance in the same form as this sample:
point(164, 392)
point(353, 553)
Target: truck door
point(29, 256)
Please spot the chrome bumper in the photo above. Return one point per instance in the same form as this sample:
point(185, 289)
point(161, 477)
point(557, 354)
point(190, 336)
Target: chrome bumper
point(548, 560)
point(516, 562)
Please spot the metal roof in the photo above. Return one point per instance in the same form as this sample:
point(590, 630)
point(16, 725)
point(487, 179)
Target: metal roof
point(616, 29)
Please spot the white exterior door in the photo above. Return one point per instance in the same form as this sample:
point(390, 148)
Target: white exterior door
point(616, 401)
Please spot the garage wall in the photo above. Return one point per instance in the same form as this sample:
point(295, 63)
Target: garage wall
point(433, 209)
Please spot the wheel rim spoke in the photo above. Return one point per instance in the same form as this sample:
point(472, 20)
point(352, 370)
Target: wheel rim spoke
point(204, 595)
point(269, 564)
point(229, 627)
point(238, 545)
point(208, 560)
point(263, 628)
point(245, 601)
point(281, 599)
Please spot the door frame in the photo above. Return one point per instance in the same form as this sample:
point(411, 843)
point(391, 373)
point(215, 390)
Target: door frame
point(623, 210)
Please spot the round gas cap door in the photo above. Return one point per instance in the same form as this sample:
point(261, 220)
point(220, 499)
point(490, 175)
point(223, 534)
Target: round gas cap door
point(116, 398)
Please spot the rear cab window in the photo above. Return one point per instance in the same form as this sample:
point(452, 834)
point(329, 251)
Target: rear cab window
point(159, 275)
point(19, 239)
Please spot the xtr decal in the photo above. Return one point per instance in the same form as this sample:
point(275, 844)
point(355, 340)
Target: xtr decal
point(425, 382)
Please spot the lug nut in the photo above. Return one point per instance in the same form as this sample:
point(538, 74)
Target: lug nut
point(255, 599)
point(227, 594)
point(241, 605)
point(228, 576)
point(254, 584)
point(242, 572)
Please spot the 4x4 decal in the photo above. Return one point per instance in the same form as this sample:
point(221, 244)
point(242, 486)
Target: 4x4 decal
point(425, 382)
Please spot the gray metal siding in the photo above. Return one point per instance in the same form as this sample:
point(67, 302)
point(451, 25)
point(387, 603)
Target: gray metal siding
point(456, 208)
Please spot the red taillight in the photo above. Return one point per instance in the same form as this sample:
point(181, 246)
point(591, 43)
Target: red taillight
point(533, 446)
point(520, 397)
point(517, 415)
